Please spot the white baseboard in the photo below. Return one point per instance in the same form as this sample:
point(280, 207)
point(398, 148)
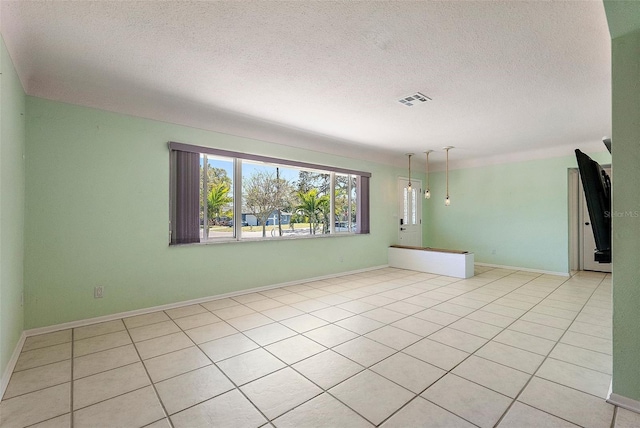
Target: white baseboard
point(111, 317)
point(624, 402)
point(6, 376)
point(546, 272)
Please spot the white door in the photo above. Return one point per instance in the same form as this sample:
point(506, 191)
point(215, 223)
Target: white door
point(410, 213)
point(588, 241)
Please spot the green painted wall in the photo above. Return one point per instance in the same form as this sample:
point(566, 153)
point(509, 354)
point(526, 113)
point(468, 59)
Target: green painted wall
point(513, 214)
point(623, 16)
point(626, 203)
point(12, 193)
point(97, 213)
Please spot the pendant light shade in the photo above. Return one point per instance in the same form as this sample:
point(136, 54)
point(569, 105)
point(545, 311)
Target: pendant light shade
point(427, 193)
point(447, 200)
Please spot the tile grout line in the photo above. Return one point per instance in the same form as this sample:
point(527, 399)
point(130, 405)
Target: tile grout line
point(505, 328)
point(325, 391)
point(41, 365)
point(109, 370)
point(155, 390)
point(542, 363)
point(115, 396)
point(70, 388)
point(398, 351)
point(36, 367)
point(301, 374)
point(450, 371)
point(385, 324)
point(547, 356)
point(42, 347)
point(100, 334)
point(104, 334)
point(419, 396)
point(236, 387)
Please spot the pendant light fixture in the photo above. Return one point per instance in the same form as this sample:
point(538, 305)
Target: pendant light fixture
point(447, 201)
point(427, 193)
point(409, 185)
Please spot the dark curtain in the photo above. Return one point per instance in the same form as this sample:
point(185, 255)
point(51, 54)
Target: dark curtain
point(185, 210)
point(362, 214)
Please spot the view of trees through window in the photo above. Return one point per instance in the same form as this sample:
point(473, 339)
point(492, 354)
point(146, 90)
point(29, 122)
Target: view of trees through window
point(276, 201)
point(216, 194)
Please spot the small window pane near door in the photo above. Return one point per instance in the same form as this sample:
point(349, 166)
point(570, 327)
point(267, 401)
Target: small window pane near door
point(413, 206)
point(405, 216)
point(409, 213)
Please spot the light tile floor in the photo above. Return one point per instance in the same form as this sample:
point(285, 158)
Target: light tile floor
point(390, 348)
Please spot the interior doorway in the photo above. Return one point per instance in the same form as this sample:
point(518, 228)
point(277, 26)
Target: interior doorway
point(410, 212)
point(582, 241)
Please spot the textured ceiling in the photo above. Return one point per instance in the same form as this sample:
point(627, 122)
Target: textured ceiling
point(514, 78)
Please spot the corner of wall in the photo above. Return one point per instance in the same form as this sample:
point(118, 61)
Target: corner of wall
point(12, 202)
point(625, 52)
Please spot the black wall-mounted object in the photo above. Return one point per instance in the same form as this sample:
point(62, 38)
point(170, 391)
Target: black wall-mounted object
point(597, 192)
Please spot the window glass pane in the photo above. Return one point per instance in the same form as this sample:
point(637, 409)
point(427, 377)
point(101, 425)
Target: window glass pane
point(413, 206)
point(345, 203)
point(342, 204)
point(216, 198)
point(269, 201)
point(406, 205)
point(312, 202)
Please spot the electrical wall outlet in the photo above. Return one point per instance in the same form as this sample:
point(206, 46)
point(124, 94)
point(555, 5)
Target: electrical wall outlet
point(98, 292)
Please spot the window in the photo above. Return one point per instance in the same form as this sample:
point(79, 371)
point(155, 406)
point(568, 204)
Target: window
point(216, 198)
point(346, 197)
point(269, 202)
point(410, 205)
point(218, 195)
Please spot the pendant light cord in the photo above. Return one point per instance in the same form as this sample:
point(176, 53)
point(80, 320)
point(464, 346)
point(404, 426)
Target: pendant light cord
point(447, 173)
point(409, 155)
point(427, 170)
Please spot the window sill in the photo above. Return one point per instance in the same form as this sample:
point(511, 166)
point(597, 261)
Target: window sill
point(270, 239)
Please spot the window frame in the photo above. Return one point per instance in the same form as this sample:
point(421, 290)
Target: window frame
point(362, 195)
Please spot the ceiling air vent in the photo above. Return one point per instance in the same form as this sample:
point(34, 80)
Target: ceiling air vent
point(417, 98)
